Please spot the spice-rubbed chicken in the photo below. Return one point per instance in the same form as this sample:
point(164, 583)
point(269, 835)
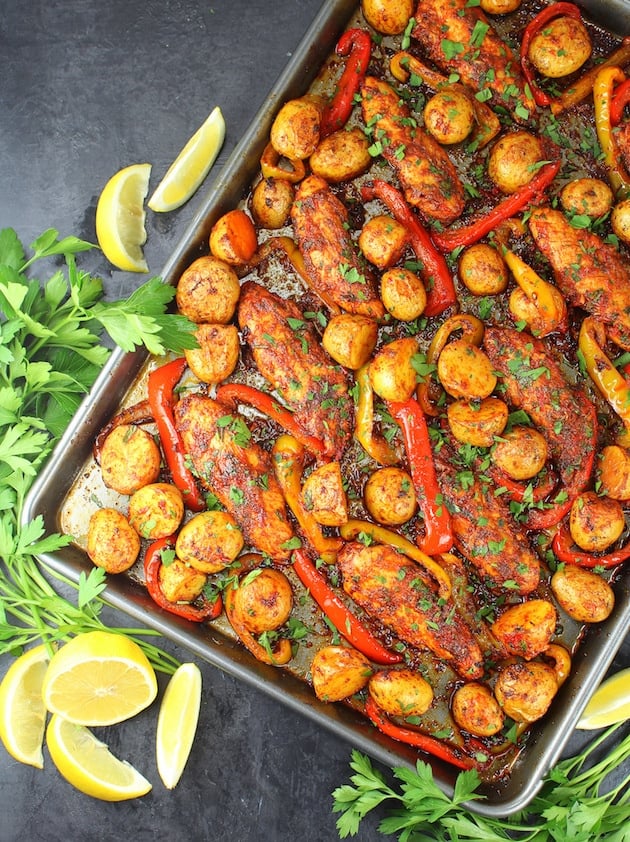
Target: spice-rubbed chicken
point(458, 37)
point(288, 354)
point(590, 273)
point(237, 470)
point(392, 589)
point(426, 174)
point(331, 259)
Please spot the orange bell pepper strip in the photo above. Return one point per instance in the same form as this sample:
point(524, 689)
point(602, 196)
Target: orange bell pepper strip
point(548, 303)
point(603, 86)
point(282, 653)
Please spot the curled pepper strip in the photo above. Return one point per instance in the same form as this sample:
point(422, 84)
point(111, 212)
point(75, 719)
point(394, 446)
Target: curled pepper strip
point(288, 463)
point(564, 549)
point(233, 393)
point(520, 491)
point(425, 743)
point(602, 95)
point(279, 656)
point(609, 381)
point(516, 202)
point(338, 612)
point(161, 386)
point(441, 289)
point(620, 98)
point(582, 89)
point(536, 25)
point(356, 44)
point(353, 528)
point(438, 537)
point(551, 310)
point(139, 413)
point(152, 565)
point(272, 166)
point(374, 445)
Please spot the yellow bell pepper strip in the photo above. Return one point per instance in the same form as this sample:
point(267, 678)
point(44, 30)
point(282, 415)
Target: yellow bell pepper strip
point(353, 528)
point(288, 463)
point(603, 86)
point(565, 551)
point(356, 44)
point(374, 444)
point(561, 661)
point(583, 87)
point(438, 532)
point(342, 618)
point(511, 205)
point(550, 306)
point(281, 654)
point(271, 166)
point(609, 381)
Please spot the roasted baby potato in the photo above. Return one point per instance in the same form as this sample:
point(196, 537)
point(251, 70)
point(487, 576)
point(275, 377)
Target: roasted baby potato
point(217, 354)
point(295, 131)
point(389, 17)
point(561, 47)
point(482, 270)
point(323, 495)
point(476, 710)
point(112, 543)
point(392, 375)
point(179, 582)
point(513, 160)
point(156, 510)
point(595, 522)
point(465, 371)
point(521, 452)
point(338, 672)
point(614, 472)
point(583, 594)
point(383, 240)
point(208, 291)
point(526, 629)
point(525, 689)
point(390, 496)
point(589, 196)
point(350, 339)
point(130, 459)
point(209, 541)
point(341, 156)
point(403, 294)
point(449, 116)
point(401, 692)
point(233, 238)
point(478, 423)
point(499, 7)
point(620, 220)
point(271, 202)
point(264, 600)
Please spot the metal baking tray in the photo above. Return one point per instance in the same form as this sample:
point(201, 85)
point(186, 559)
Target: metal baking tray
point(601, 643)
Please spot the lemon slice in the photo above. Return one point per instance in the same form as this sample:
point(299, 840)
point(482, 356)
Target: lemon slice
point(177, 723)
point(22, 711)
point(99, 678)
point(191, 166)
point(609, 704)
point(86, 763)
point(120, 218)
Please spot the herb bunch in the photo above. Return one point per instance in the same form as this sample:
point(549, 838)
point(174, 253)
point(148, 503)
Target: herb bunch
point(51, 352)
point(574, 803)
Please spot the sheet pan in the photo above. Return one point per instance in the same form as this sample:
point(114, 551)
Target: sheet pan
point(73, 452)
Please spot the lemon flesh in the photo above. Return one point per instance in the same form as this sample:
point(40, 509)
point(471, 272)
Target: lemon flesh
point(177, 723)
point(191, 166)
point(87, 764)
point(99, 678)
point(120, 218)
point(22, 710)
point(609, 704)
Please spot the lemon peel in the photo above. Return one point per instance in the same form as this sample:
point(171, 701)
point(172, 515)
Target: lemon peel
point(120, 218)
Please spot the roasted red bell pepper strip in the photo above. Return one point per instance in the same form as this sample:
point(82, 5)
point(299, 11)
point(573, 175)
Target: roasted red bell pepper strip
point(441, 289)
point(620, 98)
point(430, 745)
point(338, 612)
point(518, 489)
point(233, 393)
point(161, 385)
point(438, 532)
point(564, 550)
point(535, 26)
point(356, 44)
point(516, 202)
point(152, 564)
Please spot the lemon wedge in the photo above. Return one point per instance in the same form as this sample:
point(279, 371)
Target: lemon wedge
point(191, 166)
point(99, 678)
point(120, 218)
point(177, 723)
point(22, 710)
point(86, 763)
point(609, 704)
